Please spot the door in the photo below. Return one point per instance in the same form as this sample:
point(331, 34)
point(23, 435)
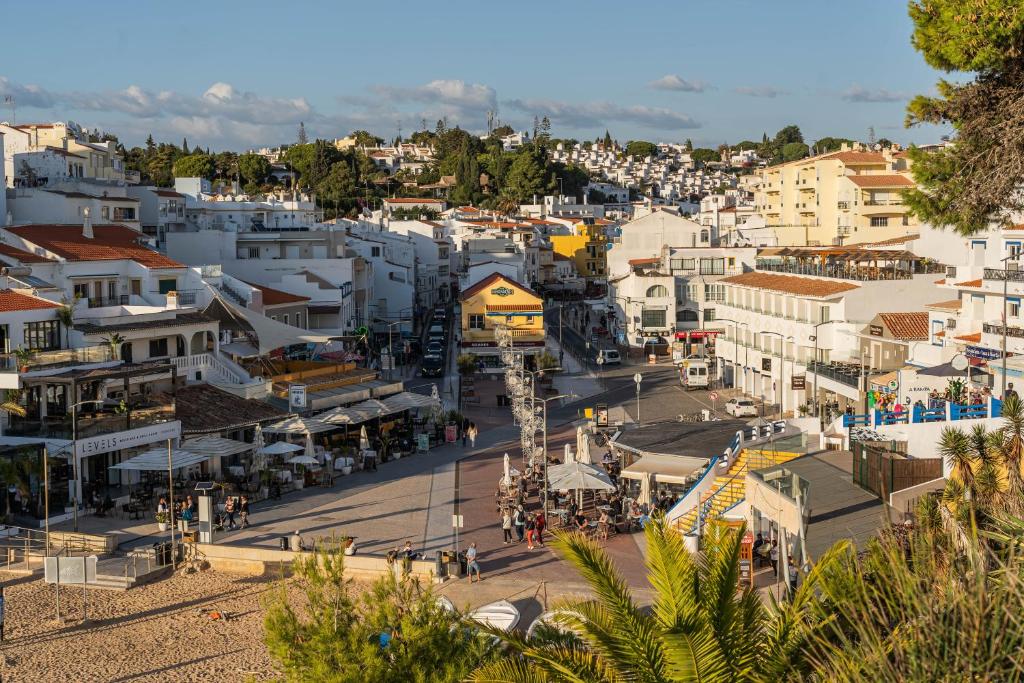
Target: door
point(126, 352)
point(136, 287)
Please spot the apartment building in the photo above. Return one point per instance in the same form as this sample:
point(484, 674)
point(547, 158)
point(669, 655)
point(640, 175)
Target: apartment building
point(587, 247)
point(648, 237)
point(845, 197)
point(497, 301)
point(83, 159)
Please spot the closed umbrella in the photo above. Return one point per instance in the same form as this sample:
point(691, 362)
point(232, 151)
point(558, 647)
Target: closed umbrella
point(364, 440)
point(310, 449)
point(568, 454)
point(583, 447)
point(506, 478)
point(257, 443)
point(645, 488)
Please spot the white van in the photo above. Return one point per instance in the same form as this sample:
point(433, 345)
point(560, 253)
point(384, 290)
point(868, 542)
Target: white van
point(608, 357)
point(694, 374)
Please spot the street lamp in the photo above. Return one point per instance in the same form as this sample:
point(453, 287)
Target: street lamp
point(735, 349)
point(391, 357)
point(76, 493)
point(544, 427)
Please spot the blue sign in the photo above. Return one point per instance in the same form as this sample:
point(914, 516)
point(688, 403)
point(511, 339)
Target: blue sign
point(982, 352)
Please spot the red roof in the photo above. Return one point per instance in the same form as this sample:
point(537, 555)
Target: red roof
point(907, 326)
point(110, 243)
point(881, 180)
point(15, 301)
point(21, 255)
point(790, 284)
point(973, 338)
point(274, 297)
point(852, 157)
point(643, 261)
point(491, 279)
point(969, 283)
point(169, 193)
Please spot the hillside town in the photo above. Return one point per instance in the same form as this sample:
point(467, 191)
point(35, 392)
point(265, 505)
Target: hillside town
point(480, 400)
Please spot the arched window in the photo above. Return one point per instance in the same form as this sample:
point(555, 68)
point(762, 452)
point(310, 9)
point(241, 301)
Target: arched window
point(705, 236)
point(657, 291)
point(686, 315)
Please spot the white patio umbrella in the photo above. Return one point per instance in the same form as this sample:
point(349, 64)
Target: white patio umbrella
point(577, 476)
point(310, 449)
point(364, 440)
point(281, 448)
point(568, 454)
point(302, 460)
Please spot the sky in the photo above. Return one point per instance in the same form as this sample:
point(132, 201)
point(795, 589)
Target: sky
point(242, 75)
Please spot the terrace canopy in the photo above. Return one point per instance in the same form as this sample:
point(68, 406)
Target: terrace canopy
point(216, 446)
point(269, 334)
point(155, 460)
point(299, 425)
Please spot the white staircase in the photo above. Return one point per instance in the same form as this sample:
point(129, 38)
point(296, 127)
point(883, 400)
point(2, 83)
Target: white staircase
point(221, 372)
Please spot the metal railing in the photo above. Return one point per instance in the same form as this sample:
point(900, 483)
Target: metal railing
point(1000, 274)
point(883, 202)
point(841, 272)
point(99, 353)
point(844, 374)
point(101, 302)
point(997, 328)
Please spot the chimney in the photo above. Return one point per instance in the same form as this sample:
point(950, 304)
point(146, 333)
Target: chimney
point(87, 224)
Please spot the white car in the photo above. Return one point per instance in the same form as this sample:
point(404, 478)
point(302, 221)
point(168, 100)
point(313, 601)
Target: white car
point(741, 407)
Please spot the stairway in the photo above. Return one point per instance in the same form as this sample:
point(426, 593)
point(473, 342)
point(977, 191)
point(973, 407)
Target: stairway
point(730, 488)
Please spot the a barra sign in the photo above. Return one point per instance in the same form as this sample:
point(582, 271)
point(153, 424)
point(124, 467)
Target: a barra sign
point(106, 443)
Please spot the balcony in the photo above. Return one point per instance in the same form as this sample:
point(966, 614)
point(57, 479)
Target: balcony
point(844, 373)
point(841, 271)
point(1000, 275)
point(96, 302)
point(997, 329)
point(99, 353)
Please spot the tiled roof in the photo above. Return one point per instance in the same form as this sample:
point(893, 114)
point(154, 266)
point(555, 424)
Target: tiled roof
point(643, 261)
point(953, 305)
point(851, 157)
point(110, 243)
point(940, 334)
point(973, 338)
point(881, 180)
point(941, 282)
point(169, 193)
point(203, 408)
point(490, 280)
point(969, 283)
point(790, 284)
point(21, 255)
point(274, 297)
point(406, 200)
point(15, 301)
point(907, 326)
point(903, 239)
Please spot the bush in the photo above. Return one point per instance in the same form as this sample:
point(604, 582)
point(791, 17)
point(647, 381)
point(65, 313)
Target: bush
point(466, 363)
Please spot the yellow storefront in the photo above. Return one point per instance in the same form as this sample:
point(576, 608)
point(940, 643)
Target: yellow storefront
point(501, 301)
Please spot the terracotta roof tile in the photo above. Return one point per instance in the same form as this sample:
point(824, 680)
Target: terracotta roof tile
point(790, 284)
point(952, 305)
point(643, 261)
point(110, 243)
point(907, 326)
point(969, 283)
point(940, 334)
point(169, 193)
point(274, 297)
point(852, 157)
point(21, 255)
point(973, 338)
point(893, 180)
point(16, 301)
point(941, 282)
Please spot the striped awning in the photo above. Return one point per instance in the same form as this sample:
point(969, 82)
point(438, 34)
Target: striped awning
point(216, 446)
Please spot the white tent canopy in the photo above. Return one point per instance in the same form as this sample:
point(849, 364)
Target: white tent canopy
point(270, 333)
point(216, 446)
point(281, 448)
point(299, 425)
point(155, 460)
point(576, 476)
point(408, 400)
point(303, 460)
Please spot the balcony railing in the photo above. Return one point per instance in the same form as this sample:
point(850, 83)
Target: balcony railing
point(100, 353)
point(844, 373)
point(883, 202)
point(1000, 274)
point(122, 300)
point(996, 328)
point(841, 272)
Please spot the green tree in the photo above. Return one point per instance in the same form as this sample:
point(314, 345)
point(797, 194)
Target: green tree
point(334, 635)
point(194, 166)
point(689, 145)
point(302, 138)
point(976, 179)
point(502, 131)
point(254, 168)
point(607, 140)
point(641, 148)
point(366, 139)
point(529, 174)
point(703, 155)
point(792, 151)
point(787, 135)
point(337, 190)
point(830, 144)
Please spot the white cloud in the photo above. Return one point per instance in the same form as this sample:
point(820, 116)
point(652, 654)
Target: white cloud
point(678, 84)
point(596, 114)
point(761, 91)
point(857, 93)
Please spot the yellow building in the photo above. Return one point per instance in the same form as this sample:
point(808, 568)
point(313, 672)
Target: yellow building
point(99, 159)
point(845, 197)
point(501, 301)
point(587, 248)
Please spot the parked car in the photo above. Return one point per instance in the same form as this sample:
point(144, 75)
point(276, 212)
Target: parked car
point(435, 348)
point(741, 407)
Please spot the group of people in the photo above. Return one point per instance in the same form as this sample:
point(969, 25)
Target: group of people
point(236, 505)
point(187, 510)
point(526, 525)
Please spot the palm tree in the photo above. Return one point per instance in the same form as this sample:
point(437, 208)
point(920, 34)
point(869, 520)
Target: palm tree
point(11, 404)
point(700, 628)
point(66, 316)
point(956, 448)
point(1011, 446)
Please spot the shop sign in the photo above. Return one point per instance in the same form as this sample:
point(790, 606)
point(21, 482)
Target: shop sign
point(799, 382)
point(131, 438)
point(982, 352)
point(875, 330)
point(297, 396)
point(503, 291)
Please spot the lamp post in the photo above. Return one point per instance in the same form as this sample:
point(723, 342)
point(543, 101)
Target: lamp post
point(544, 427)
point(817, 412)
point(638, 378)
point(1006, 279)
point(391, 355)
point(77, 488)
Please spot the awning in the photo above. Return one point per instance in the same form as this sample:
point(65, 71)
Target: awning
point(54, 447)
point(408, 400)
point(270, 333)
point(216, 446)
point(576, 476)
point(299, 425)
point(665, 468)
point(281, 448)
point(156, 460)
point(243, 349)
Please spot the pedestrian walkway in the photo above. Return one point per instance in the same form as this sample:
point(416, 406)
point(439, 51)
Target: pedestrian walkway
point(575, 377)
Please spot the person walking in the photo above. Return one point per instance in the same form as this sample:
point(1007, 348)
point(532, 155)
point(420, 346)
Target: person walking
point(506, 525)
point(472, 566)
point(541, 522)
point(773, 555)
point(531, 531)
point(243, 511)
point(472, 434)
point(518, 521)
point(229, 512)
point(465, 435)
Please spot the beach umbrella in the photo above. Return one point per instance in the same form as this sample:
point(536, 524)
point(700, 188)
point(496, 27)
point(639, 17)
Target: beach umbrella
point(302, 460)
point(576, 476)
point(281, 448)
point(364, 440)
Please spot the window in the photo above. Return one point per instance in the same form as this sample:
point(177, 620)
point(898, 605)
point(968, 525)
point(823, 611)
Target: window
point(286, 319)
point(253, 252)
point(529, 320)
point(168, 285)
point(657, 291)
point(111, 289)
point(82, 290)
point(375, 251)
point(1013, 250)
point(709, 314)
point(732, 262)
point(136, 287)
point(105, 212)
point(879, 221)
point(649, 318)
point(298, 320)
point(124, 213)
point(714, 293)
point(704, 236)
point(476, 321)
point(712, 266)
point(158, 348)
point(906, 219)
point(685, 263)
point(42, 336)
point(1013, 307)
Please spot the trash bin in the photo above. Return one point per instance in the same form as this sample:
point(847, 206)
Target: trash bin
point(454, 562)
point(440, 568)
point(285, 543)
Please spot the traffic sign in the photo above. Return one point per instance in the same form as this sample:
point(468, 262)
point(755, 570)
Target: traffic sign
point(638, 378)
point(713, 396)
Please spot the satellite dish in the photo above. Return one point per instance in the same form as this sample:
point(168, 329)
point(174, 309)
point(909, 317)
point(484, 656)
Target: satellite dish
point(959, 362)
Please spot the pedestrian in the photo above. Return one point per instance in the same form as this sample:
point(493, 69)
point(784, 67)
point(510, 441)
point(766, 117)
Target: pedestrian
point(541, 523)
point(229, 512)
point(472, 434)
point(243, 511)
point(773, 555)
point(524, 487)
point(518, 521)
point(465, 435)
point(506, 525)
point(1009, 392)
point(793, 571)
point(472, 566)
point(531, 531)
